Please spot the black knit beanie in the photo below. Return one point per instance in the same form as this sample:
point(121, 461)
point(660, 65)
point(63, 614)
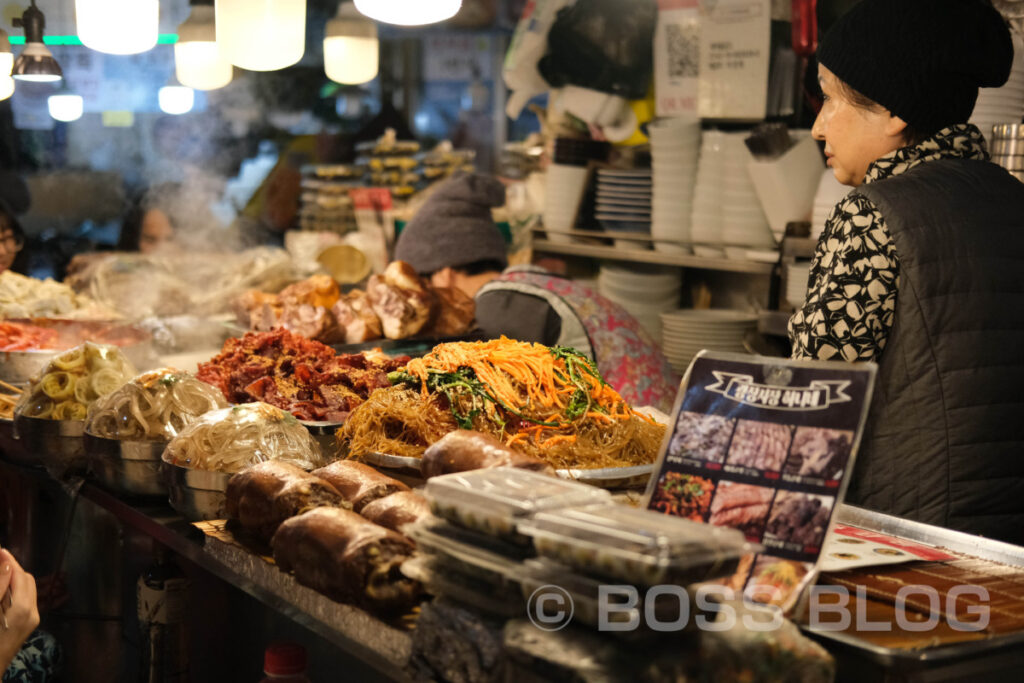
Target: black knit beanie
point(923, 60)
point(454, 227)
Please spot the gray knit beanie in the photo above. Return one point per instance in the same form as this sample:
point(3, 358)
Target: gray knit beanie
point(454, 227)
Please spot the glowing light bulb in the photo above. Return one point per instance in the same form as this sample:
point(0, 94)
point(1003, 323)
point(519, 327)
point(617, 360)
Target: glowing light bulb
point(118, 27)
point(176, 99)
point(261, 35)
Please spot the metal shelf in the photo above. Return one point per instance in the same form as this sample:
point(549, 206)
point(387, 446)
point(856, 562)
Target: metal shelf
point(615, 253)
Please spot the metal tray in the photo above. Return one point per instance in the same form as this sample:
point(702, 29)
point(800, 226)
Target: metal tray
point(962, 660)
point(608, 477)
point(126, 466)
point(323, 434)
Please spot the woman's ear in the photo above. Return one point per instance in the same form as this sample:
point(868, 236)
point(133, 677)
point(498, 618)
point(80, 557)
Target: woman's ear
point(895, 126)
point(443, 278)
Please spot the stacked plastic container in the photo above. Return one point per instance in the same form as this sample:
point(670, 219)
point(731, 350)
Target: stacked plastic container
point(507, 533)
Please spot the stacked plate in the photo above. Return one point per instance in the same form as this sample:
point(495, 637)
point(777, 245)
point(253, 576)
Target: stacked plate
point(675, 144)
point(623, 204)
point(1005, 104)
point(685, 332)
point(796, 283)
point(644, 291)
point(726, 209)
point(830, 192)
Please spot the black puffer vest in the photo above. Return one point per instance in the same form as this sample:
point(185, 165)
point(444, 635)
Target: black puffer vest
point(945, 439)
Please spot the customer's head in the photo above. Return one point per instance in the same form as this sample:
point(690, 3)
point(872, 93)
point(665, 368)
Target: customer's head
point(149, 226)
point(14, 199)
point(452, 239)
point(895, 72)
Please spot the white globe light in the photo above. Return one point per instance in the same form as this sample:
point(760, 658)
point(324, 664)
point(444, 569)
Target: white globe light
point(6, 87)
point(409, 12)
point(176, 99)
point(199, 65)
point(65, 107)
point(261, 35)
point(6, 63)
point(351, 47)
point(118, 27)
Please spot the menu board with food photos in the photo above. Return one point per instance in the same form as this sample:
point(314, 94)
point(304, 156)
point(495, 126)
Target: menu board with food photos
point(766, 446)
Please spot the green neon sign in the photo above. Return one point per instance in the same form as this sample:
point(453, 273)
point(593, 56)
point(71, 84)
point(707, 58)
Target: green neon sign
point(162, 39)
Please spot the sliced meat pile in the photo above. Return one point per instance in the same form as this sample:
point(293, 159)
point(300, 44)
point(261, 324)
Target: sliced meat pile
point(397, 304)
point(304, 377)
point(741, 506)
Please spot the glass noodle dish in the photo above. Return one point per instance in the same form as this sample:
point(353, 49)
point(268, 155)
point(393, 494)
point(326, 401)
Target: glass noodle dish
point(154, 406)
point(231, 439)
point(73, 380)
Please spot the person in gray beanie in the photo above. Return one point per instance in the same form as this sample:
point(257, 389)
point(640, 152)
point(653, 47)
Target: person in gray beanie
point(453, 242)
point(920, 268)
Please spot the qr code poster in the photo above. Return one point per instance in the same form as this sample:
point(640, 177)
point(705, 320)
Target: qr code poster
point(677, 57)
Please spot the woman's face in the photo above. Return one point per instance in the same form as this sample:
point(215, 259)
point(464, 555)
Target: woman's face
point(10, 245)
point(156, 231)
point(854, 136)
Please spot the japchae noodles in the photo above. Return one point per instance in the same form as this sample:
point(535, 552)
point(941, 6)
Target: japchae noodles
point(551, 403)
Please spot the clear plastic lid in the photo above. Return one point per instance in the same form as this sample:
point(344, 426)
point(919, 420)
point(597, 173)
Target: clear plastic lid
point(485, 557)
point(231, 439)
point(636, 545)
point(495, 500)
point(156, 405)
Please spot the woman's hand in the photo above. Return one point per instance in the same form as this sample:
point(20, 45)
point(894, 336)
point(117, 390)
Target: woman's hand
point(21, 613)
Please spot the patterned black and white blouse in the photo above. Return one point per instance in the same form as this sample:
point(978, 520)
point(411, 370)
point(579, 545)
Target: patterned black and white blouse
point(855, 274)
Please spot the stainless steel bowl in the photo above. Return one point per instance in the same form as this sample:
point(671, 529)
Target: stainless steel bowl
point(1014, 162)
point(323, 433)
point(197, 495)
point(12, 449)
point(57, 445)
point(1002, 146)
point(1007, 130)
point(18, 367)
point(124, 466)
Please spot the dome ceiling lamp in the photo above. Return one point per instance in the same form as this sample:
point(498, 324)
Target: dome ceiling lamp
point(351, 47)
point(64, 105)
point(261, 35)
point(118, 27)
point(36, 62)
point(409, 12)
point(198, 63)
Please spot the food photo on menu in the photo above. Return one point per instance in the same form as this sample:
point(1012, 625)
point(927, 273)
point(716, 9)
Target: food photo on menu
point(683, 495)
point(760, 445)
point(741, 506)
point(701, 437)
point(819, 454)
point(798, 521)
point(774, 579)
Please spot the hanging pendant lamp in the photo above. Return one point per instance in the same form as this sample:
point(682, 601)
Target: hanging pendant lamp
point(6, 56)
point(65, 105)
point(36, 62)
point(6, 87)
point(351, 48)
point(118, 27)
point(197, 60)
point(261, 35)
point(409, 12)
point(176, 99)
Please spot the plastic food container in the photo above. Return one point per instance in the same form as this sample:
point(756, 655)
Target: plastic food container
point(469, 553)
point(637, 546)
point(496, 500)
point(439, 579)
point(586, 597)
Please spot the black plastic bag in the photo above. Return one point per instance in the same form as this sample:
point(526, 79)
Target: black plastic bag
point(603, 45)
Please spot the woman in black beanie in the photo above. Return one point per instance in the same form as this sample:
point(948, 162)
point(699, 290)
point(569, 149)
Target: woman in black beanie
point(921, 267)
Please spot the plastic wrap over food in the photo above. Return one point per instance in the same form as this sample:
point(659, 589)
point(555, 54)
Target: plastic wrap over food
point(230, 439)
point(73, 380)
point(155, 405)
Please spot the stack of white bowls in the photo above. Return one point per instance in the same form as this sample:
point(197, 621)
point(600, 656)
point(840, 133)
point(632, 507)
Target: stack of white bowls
point(1006, 104)
point(686, 332)
point(727, 217)
point(563, 191)
point(644, 291)
point(796, 283)
point(830, 192)
point(675, 147)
